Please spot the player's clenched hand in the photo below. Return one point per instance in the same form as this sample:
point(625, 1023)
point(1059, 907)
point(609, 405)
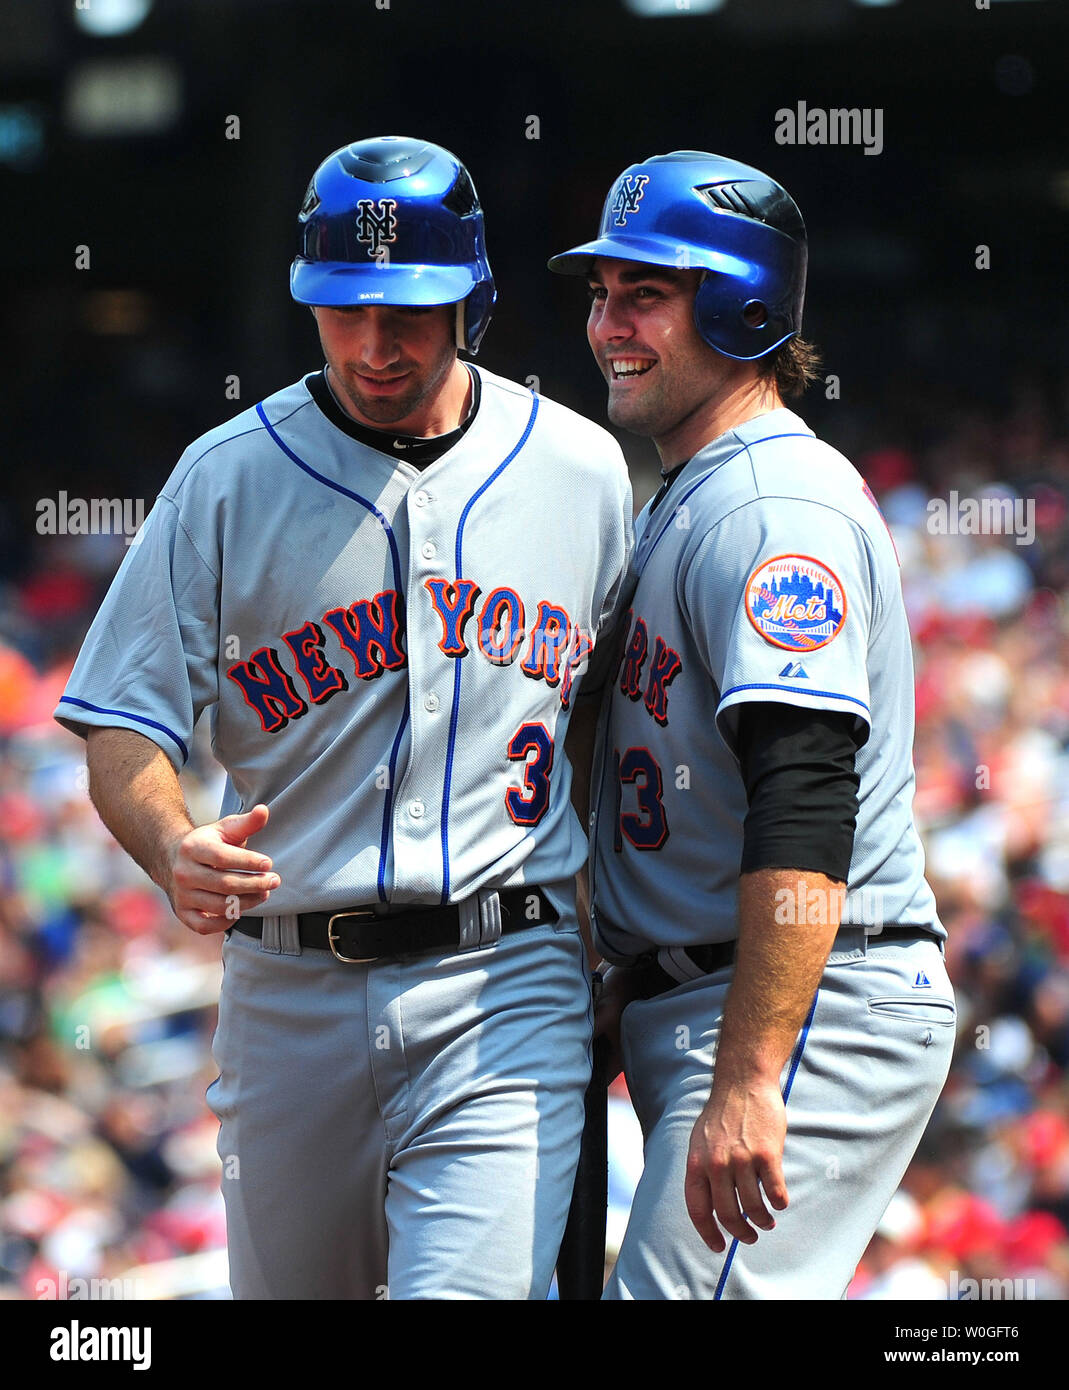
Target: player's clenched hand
point(735, 1163)
point(213, 877)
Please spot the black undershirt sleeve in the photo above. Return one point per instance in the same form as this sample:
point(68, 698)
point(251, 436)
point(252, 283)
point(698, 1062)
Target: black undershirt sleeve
point(801, 787)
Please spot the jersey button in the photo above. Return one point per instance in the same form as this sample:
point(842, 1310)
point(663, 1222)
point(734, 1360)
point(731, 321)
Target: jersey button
point(431, 702)
point(428, 550)
point(416, 809)
point(420, 498)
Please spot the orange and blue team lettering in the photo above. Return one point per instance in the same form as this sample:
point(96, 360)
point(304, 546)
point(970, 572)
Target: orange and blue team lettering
point(634, 657)
point(528, 738)
point(368, 626)
point(640, 769)
point(453, 603)
point(646, 829)
point(582, 646)
point(664, 668)
point(322, 679)
point(501, 629)
point(549, 640)
point(268, 690)
point(372, 632)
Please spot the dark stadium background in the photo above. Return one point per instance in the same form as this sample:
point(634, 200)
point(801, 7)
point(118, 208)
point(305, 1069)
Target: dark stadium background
point(949, 376)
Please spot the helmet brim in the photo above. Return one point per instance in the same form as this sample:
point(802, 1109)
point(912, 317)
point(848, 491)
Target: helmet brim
point(340, 284)
point(646, 250)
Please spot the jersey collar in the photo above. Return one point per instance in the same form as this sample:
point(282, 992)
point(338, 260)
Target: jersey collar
point(403, 448)
point(680, 482)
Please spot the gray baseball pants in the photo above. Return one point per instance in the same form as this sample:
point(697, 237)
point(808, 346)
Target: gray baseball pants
point(860, 1087)
point(407, 1129)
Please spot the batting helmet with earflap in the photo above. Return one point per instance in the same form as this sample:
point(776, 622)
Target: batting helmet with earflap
point(395, 221)
point(693, 210)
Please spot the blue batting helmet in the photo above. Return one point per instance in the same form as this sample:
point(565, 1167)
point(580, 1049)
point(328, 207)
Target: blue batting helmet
point(693, 210)
point(395, 221)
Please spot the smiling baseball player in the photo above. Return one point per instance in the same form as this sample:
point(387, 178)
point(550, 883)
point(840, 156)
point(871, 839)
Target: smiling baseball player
point(384, 583)
point(781, 1004)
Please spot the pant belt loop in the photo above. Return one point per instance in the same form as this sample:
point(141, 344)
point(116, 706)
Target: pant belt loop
point(675, 962)
point(289, 935)
point(470, 923)
point(489, 918)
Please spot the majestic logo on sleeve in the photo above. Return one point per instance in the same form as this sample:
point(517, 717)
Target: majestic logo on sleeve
point(796, 603)
point(376, 224)
point(628, 195)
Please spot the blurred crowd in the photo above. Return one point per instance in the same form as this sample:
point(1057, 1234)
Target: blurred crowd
point(108, 1169)
point(987, 1197)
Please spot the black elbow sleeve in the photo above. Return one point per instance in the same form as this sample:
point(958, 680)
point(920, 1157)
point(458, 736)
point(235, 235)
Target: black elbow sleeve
point(801, 788)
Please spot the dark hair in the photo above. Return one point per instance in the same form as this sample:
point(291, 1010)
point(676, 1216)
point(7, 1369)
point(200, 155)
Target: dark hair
point(794, 366)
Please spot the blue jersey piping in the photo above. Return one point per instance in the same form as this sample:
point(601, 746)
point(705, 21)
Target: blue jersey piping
point(387, 810)
point(798, 1050)
point(744, 448)
point(454, 715)
point(795, 690)
point(137, 718)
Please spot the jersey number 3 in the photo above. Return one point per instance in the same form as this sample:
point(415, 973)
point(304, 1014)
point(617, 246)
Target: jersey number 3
point(649, 829)
point(527, 807)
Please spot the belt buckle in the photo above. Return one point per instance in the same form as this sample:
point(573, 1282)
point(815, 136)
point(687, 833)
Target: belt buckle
point(332, 939)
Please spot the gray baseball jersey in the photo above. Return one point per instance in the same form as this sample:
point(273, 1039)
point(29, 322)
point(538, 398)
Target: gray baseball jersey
point(389, 657)
point(766, 573)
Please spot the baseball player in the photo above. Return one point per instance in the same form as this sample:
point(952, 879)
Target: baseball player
point(384, 583)
point(783, 1013)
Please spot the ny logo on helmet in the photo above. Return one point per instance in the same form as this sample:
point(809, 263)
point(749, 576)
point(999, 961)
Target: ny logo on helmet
point(376, 224)
point(629, 193)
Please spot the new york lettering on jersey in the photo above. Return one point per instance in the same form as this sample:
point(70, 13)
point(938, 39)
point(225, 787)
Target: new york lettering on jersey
point(371, 632)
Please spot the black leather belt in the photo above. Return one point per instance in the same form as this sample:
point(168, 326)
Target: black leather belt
point(654, 979)
point(358, 935)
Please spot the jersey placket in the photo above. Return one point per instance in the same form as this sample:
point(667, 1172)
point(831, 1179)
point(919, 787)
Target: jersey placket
point(418, 868)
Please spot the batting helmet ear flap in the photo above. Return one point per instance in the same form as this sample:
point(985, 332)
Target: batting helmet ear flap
point(728, 315)
point(473, 322)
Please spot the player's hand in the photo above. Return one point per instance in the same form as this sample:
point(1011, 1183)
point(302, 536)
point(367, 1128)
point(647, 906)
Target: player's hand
point(735, 1163)
point(619, 987)
point(213, 878)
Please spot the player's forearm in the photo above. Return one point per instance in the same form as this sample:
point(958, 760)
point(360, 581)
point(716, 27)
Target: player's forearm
point(136, 792)
point(785, 934)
